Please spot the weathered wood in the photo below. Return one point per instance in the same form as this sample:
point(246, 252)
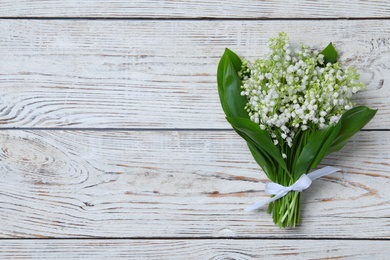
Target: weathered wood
point(193, 249)
point(177, 184)
point(195, 9)
point(182, 185)
point(158, 74)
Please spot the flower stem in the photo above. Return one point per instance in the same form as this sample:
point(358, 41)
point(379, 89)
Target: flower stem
point(286, 210)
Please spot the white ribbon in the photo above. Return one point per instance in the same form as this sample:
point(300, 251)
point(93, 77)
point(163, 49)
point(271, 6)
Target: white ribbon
point(301, 184)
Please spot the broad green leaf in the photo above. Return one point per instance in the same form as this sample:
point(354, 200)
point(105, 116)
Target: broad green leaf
point(232, 90)
point(330, 54)
point(310, 151)
point(332, 139)
point(350, 123)
point(229, 85)
point(261, 158)
point(321, 154)
point(236, 61)
point(259, 137)
point(221, 92)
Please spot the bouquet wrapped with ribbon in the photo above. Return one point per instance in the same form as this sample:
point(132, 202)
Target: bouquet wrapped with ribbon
point(292, 109)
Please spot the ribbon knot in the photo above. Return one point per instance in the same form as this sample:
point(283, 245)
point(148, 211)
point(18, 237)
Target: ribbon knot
point(301, 184)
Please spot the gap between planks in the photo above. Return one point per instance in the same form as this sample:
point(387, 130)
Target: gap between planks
point(141, 129)
point(265, 238)
point(191, 18)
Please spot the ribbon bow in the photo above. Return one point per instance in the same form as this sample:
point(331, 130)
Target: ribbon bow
point(301, 184)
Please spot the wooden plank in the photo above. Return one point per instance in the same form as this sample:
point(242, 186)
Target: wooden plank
point(196, 9)
point(177, 184)
point(158, 74)
point(193, 249)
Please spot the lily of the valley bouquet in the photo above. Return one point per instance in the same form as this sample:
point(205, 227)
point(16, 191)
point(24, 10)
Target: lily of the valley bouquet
point(293, 109)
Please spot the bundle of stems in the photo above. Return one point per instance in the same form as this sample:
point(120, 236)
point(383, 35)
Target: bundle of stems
point(286, 210)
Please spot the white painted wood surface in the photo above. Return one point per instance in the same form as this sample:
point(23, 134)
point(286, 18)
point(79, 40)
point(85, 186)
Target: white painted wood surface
point(158, 74)
point(232, 9)
point(177, 184)
point(121, 150)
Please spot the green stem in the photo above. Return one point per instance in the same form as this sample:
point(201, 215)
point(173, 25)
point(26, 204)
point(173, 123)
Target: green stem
point(286, 210)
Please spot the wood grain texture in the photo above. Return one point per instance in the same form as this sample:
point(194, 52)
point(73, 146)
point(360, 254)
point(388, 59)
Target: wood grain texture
point(195, 9)
point(158, 74)
point(147, 191)
point(217, 249)
point(177, 184)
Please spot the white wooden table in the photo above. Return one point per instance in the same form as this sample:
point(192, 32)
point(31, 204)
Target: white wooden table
point(114, 144)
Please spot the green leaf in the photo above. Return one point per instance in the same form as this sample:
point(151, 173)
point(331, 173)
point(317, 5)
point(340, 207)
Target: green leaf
point(259, 137)
point(236, 61)
point(350, 123)
point(332, 139)
point(229, 85)
point(330, 54)
point(263, 160)
point(260, 156)
point(311, 151)
point(321, 154)
point(221, 91)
